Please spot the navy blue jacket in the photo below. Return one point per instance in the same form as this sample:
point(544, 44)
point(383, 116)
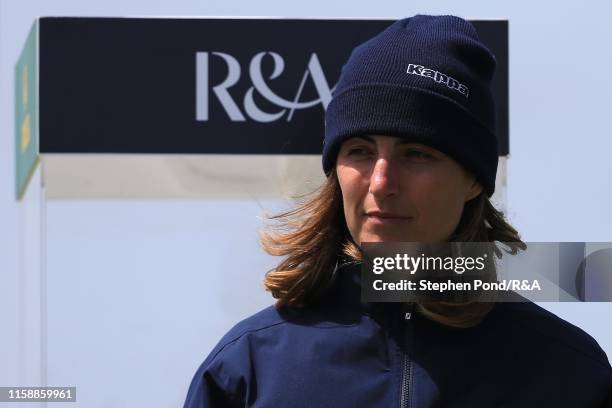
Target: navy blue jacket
point(345, 353)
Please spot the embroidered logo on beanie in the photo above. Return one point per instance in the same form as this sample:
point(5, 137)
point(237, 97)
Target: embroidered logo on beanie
point(438, 76)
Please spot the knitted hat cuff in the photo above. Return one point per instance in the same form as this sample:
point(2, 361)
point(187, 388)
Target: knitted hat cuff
point(417, 114)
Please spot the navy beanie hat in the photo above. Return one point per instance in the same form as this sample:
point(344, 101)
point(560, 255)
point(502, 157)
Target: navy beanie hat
point(424, 78)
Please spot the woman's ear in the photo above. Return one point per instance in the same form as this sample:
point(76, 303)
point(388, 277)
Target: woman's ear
point(474, 189)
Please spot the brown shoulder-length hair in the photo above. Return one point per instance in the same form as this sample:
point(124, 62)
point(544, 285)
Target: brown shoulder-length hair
point(313, 236)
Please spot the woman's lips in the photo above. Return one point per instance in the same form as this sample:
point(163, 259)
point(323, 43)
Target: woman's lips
point(386, 219)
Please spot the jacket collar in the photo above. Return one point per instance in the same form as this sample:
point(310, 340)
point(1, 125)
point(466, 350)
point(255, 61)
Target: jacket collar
point(345, 291)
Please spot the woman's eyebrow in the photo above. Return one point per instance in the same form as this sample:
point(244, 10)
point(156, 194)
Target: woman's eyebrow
point(366, 138)
point(399, 141)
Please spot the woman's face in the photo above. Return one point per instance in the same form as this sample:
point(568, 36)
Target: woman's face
point(396, 190)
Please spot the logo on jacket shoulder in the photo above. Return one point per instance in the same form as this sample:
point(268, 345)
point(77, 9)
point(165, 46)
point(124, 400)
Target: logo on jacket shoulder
point(439, 77)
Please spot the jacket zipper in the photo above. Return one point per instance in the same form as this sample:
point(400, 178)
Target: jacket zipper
point(406, 362)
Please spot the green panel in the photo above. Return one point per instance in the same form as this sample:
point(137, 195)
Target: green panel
point(26, 113)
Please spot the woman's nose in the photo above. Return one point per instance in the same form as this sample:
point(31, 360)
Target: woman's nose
point(383, 180)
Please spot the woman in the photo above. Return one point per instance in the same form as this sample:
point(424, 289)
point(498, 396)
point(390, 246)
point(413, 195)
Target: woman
point(410, 154)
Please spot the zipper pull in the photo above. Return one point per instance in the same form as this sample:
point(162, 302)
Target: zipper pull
point(408, 309)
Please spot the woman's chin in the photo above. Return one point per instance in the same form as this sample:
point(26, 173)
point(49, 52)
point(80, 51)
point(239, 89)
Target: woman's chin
point(385, 238)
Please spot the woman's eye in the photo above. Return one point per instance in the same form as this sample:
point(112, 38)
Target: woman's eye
point(418, 154)
point(357, 151)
